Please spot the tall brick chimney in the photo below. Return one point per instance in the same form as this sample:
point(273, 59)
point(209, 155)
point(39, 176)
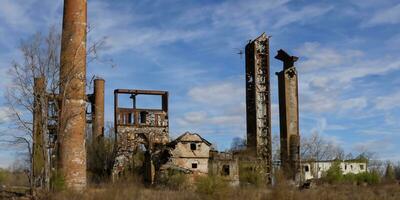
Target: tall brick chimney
point(72, 152)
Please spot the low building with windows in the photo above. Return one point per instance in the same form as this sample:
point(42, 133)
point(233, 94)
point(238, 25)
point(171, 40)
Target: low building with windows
point(192, 154)
point(317, 169)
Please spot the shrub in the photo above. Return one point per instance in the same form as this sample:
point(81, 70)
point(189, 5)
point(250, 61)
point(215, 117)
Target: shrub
point(174, 179)
point(210, 185)
point(3, 176)
point(371, 178)
point(250, 174)
point(100, 158)
point(334, 174)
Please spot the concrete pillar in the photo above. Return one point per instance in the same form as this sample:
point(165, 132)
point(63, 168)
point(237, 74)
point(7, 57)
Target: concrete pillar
point(258, 101)
point(72, 120)
point(39, 156)
point(289, 114)
point(98, 109)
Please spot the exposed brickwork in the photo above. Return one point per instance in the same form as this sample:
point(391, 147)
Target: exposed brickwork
point(72, 152)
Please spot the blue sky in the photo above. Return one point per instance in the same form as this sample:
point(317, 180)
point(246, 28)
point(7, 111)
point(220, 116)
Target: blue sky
point(349, 64)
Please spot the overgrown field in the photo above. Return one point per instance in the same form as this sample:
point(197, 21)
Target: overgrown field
point(125, 190)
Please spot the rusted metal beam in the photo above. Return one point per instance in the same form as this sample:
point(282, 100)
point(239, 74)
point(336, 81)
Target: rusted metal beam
point(289, 115)
point(258, 101)
point(39, 157)
point(98, 109)
point(72, 151)
point(148, 92)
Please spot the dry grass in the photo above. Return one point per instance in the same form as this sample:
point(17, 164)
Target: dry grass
point(129, 190)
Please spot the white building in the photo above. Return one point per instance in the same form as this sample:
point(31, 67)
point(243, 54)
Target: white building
point(317, 169)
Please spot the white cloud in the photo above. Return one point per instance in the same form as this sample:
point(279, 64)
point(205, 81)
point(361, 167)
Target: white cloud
point(374, 145)
point(125, 31)
point(194, 117)
point(388, 102)
point(314, 56)
point(305, 14)
point(13, 13)
point(390, 15)
point(327, 74)
point(353, 104)
point(5, 113)
point(217, 94)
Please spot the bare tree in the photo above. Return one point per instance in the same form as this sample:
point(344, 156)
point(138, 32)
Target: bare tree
point(40, 58)
point(316, 147)
point(238, 144)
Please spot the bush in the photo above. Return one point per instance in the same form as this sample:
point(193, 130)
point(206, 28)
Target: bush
point(250, 174)
point(174, 180)
point(371, 178)
point(100, 158)
point(334, 174)
point(210, 185)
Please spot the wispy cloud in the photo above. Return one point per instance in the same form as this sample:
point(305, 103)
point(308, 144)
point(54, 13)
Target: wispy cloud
point(390, 15)
point(302, 16)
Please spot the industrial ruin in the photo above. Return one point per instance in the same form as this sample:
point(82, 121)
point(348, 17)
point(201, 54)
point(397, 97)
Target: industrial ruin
point(289, 115)
point(258, 102)
point(60, 120)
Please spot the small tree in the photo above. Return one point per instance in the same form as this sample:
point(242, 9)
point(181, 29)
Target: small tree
point(335, 173)
point(390, 175)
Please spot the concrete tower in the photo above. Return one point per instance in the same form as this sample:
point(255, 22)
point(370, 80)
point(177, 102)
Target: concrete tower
point(258, 101)
point(289, 114)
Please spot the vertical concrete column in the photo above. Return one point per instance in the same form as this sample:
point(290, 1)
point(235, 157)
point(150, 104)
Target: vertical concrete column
point(72, 152)
point(98, 109)
point(289, 114)
point(258, 101)
point(39, 156)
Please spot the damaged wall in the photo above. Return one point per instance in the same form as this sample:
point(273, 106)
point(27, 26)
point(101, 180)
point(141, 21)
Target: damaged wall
point(135, 126)
point(191, 152)
point(225, 165)
point(289, 114)
point(258, 101)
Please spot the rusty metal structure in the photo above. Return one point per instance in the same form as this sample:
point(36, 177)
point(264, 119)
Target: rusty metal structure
point(39, 144)
point(97, 102)
point(258, 101)
point(135, 126)
point(72, 123)
point(289, 115)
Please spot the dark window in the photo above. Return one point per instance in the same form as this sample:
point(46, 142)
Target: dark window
point(142, 116)
point(345, 167)
point(194, 165)
point(306, 168)
point(225, 170)
point(362, 167)
point(193, 146)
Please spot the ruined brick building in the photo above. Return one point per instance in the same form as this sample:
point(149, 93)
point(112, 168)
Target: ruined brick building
point(192, 154)
point(190, 151)
point(135, 126)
